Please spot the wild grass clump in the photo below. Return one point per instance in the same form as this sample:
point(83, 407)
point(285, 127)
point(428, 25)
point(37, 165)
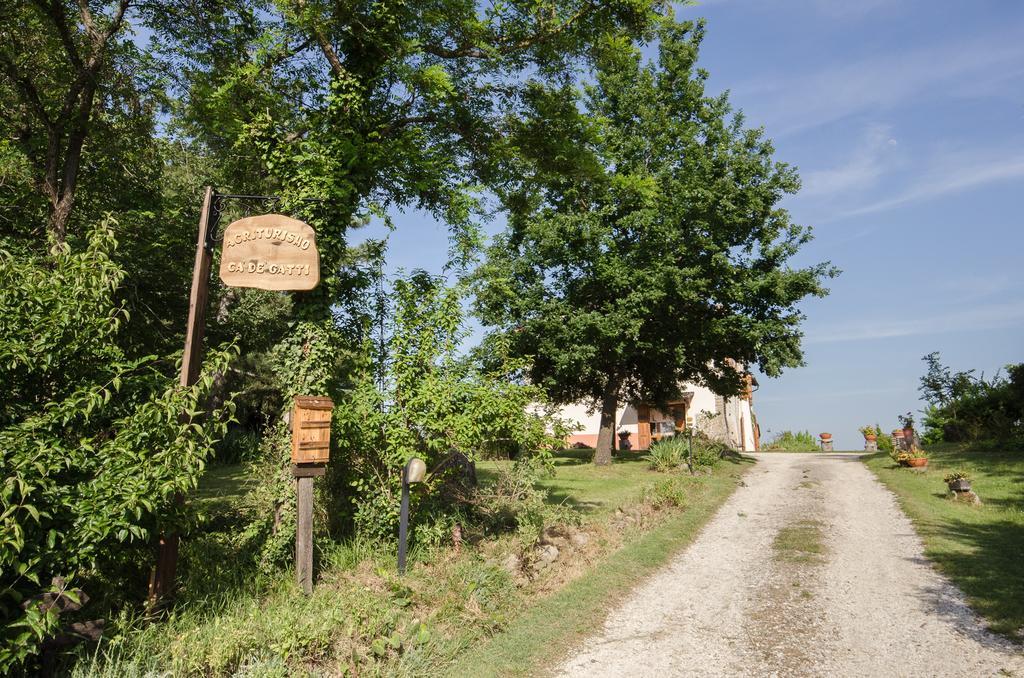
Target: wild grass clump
point(673, 452)
point(708, 453)
point(667, 493)
point(789, 441)
point(668, 454)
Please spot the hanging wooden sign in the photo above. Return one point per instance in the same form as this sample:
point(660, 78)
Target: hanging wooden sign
point(270, 252)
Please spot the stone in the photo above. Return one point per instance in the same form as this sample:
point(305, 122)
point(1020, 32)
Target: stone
point(548, 553)
point(580, 539)
point(968, 497)
point(513, 563)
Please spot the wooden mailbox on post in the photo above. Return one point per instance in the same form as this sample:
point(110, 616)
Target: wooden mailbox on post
point(311, 430)
point(311, 450)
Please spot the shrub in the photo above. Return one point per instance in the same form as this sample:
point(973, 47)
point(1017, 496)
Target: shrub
point(708, 452)
point(962, 407)
point(427, 400)
point(884, 441)
point(788, 441)
point(667, 493)
point(94, 446)
point(668, 453)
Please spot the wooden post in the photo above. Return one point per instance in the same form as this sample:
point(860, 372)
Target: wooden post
point(311, 450)
point(304, 474)
point(304, 533)
point(161, 580)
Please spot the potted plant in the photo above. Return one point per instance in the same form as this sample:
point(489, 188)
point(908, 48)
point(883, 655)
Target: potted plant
point(958, 481)
point(916, 457)
point(869, 432)
point(907, 422)
point(903, 458)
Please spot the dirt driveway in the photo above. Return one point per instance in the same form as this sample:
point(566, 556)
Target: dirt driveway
point(810, 569)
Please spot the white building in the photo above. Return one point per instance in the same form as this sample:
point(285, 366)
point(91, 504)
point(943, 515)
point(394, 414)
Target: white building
point(730, 420)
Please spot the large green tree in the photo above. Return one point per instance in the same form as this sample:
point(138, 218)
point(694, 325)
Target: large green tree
point(64, 67)
point(645, 245)
point(351, 109)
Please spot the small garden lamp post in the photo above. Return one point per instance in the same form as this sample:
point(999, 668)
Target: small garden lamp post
point(413, 472)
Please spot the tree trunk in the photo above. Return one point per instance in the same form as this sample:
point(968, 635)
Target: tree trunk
point(609, 404)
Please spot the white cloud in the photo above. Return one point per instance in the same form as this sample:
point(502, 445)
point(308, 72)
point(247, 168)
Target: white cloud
point(839, 9)
point(977, 318)
point(860, 171)
point(979, 286)
point(793, 102)
point(950, 173)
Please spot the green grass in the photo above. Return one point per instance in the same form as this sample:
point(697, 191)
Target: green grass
point(552, 626)
point(594, 490)
point(365, 620)
point(801, 542)
point(979, 547)
point(790, 441)
point(222, 487)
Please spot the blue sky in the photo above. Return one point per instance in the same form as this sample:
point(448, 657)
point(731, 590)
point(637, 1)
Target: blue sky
point(906, 121)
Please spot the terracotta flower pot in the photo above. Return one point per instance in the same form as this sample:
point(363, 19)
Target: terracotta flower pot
point(908, 433)
point(919, 462)
point(897, 433)
point(826, 436)
point(870, 437)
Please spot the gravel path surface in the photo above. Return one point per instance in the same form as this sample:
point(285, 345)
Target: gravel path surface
point(738, 603)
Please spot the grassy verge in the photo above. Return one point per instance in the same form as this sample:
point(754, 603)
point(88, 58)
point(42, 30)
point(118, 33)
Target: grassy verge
point(553, 625)
point(362, 619)
point(978, 547)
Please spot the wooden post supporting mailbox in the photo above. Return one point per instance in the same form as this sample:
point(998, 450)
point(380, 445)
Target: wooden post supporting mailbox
point(311, 450)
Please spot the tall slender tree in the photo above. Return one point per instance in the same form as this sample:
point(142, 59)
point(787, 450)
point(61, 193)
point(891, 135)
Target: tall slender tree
point(645, 247)
point(56, 63)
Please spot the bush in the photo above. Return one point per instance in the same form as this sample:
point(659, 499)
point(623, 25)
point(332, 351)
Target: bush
point(239, 446)
point(427, 400)
point(668, 453)
point(667, 493)
point(708, 452)
point(885, 443)
point(513, 502)
point(788, 441)
point(94, 446)
point(962, 407)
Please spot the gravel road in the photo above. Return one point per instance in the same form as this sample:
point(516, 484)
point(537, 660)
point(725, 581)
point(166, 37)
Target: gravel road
point(738, 603)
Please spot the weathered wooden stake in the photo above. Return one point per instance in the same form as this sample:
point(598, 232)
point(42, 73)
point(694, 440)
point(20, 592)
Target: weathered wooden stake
point(304, 474)
point(161, 580)
point(304, 533)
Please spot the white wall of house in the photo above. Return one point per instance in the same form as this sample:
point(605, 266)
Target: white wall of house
point(734, 423)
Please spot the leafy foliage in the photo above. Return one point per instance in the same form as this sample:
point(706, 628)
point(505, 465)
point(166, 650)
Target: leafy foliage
point(645, 247)
point(667, 454)
point(790, 441)
point(424, 400)
point(94, 446)
point(962, 407)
